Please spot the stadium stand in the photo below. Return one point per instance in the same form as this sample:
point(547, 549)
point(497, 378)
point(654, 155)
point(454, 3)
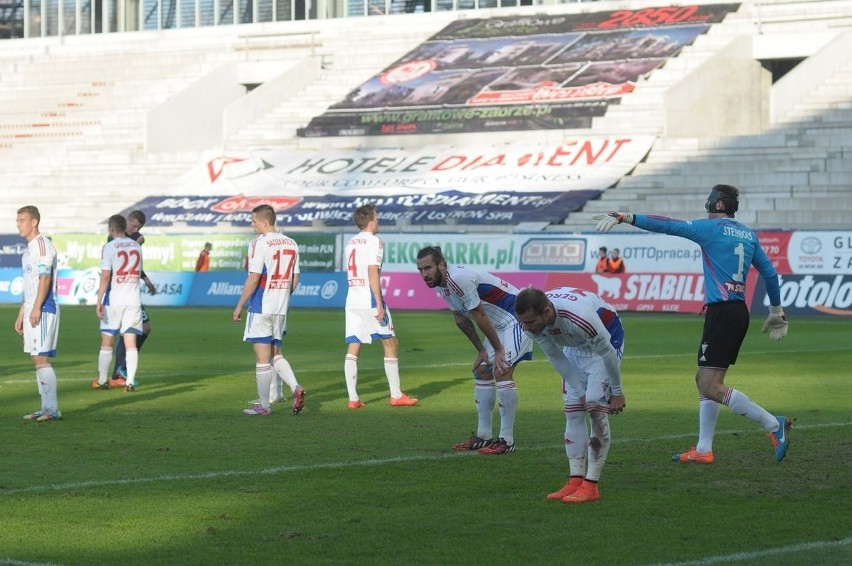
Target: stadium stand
point(90, 124)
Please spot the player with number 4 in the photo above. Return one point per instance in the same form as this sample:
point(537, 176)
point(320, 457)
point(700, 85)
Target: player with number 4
point(367, 316)
point(728, 250)
point(273, 274)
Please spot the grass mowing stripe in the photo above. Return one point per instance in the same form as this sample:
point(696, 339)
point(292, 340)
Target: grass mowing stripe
point(367, 366)
point(817, 545)
point(353, 464)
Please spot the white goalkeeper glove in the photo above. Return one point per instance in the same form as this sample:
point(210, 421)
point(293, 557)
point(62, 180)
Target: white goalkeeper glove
point(607, 221)
point(776, 323)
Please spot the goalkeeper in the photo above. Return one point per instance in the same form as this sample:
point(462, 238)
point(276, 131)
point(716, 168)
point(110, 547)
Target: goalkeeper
point(728, 249)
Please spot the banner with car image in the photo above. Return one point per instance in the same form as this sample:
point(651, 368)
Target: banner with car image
point(517, 72)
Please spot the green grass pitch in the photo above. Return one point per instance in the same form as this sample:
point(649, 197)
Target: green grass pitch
point(174, 474)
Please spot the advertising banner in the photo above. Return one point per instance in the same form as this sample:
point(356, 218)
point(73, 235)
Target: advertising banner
point(642, 252)
point(179, 253)
point(517, 72)
point(80, 287)
point(11, 249)
point(481, 184)
point(437, 208)
point(812, 294)
point(11, 284)
point(315, 290)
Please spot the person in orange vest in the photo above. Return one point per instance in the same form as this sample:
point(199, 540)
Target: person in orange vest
point(616, 262)
point(603, 265)
point(203, 263)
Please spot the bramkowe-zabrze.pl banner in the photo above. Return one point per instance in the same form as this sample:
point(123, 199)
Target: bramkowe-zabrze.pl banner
point(511, 73)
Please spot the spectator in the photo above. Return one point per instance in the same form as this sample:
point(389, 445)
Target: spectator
point(603, 261)
point(203, 262)
point(616, 262)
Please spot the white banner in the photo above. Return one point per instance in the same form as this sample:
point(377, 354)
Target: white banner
point(582, 163)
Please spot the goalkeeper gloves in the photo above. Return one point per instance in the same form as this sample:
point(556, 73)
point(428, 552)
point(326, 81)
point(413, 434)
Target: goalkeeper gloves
point(607, 221)
point(776, 323)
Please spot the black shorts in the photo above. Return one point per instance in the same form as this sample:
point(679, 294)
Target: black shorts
point(725, 327)
point(144, 315)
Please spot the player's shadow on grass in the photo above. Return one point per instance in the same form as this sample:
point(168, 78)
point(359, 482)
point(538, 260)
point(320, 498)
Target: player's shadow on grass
point(374, 389)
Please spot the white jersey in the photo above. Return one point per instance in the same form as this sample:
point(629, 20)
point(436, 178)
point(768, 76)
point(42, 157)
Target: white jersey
point(123, 257)
point(467, 288)
point(276, 258)
point(361, 252)
point(39, 260)
point(587, 326)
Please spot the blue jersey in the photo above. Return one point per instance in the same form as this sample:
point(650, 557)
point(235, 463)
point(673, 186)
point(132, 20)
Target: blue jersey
point(728, 249)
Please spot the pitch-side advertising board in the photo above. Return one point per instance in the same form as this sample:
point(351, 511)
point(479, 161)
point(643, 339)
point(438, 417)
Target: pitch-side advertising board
point(663, 273)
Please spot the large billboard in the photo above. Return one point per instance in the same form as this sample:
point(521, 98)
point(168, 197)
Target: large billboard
point(480, 184)
point(517, 72)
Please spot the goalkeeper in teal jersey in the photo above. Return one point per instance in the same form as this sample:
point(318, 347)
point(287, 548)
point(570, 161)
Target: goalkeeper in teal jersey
point(728, 249)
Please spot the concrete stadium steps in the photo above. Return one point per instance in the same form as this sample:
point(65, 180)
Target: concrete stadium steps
point(346, 65)
point(805, 157)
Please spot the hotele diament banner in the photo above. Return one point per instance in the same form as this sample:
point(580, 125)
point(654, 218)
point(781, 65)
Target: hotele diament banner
point(663, 273)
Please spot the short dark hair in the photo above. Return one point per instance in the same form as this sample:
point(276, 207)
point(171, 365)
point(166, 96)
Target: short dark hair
point(266, 212)
point(363, 215)
point(728, 195)
point(117, 222)
point(32, 211)
point(139, 216)
point(434, 251)
point(531, 299)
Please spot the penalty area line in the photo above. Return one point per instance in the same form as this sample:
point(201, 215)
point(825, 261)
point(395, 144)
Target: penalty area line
point(341, 465)
point(781, 550)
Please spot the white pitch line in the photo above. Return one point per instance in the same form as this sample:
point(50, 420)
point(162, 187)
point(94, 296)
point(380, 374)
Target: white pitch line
point(740, 556)
point(13, 562)
point(342, 465)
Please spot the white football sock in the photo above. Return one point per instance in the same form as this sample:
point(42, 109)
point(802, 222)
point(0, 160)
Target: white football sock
point(264, 374)
point(576, 439)
point(350, 372)
point(485, 394)
point(285, 372)
point(742, 405)
point(708, 414)
point(507, 396)
point(104, 360)
point(131, 360)
point(392, 373)
point(599, 418)
point(47, 385)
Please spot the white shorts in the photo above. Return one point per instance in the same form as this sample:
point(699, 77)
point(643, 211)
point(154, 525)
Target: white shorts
point(590, 371)
point(265, 328)
point(516, 343)
point(121, 319)
point(362, 326)
point(41, 340)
